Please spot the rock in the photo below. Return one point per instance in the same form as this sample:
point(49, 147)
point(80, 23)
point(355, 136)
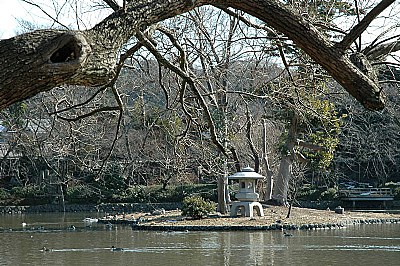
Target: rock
point(339, 210)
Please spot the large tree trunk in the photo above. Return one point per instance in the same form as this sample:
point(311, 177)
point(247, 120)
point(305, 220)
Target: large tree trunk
point(281, 186)
point(42, 60)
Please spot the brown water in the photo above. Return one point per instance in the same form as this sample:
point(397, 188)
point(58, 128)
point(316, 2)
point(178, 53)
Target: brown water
point(91, 245)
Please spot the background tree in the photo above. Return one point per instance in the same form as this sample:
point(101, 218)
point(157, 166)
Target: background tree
point(192, 95)
point(367, 149)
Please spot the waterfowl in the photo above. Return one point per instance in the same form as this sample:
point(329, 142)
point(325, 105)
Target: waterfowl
point(44, 249)
point(113, 248)
point(90, 220)
point(287, 234)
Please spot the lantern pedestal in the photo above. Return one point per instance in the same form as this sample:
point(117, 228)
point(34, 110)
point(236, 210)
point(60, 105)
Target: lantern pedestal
point(246, 208)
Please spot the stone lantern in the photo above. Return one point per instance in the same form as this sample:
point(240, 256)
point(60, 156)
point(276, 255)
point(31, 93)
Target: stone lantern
point(247, 196)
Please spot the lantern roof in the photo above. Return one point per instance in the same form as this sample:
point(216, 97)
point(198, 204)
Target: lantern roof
point(246, 173)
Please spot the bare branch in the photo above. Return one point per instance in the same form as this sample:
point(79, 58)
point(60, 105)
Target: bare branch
point(121, 111)
point(382, 51)
point(47, 14)
point(99, 110)
point(186, 76)
point(79, 104)
point(357, 30)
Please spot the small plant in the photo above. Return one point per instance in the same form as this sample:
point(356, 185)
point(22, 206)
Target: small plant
point(196, 207)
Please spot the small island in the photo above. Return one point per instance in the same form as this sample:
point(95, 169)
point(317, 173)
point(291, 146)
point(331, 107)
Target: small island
point(274, 219)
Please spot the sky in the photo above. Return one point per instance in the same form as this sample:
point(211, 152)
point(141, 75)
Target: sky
point(9, 11)
point(13, 10)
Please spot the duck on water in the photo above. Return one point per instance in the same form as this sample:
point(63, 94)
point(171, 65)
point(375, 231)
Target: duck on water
point(113, 248)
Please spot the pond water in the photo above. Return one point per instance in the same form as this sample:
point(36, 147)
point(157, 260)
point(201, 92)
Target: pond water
point(90, 244)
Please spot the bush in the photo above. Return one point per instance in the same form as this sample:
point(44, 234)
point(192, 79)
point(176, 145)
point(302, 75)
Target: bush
point(196, 207)
point(308, 194)
point(81, 194)
point(329, 194)
point(32, 194)
point(29, 191)
point(156, 193)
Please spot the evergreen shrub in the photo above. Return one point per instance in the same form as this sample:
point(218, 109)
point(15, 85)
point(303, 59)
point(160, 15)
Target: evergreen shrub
point(197, 207)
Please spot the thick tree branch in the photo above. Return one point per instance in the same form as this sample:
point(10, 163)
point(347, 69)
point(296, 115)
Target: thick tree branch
point(250, 142)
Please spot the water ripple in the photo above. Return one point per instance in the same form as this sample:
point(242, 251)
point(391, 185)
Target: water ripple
point(354, 247)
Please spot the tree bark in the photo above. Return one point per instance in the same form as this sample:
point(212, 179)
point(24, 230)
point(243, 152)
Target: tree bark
point(41, 60)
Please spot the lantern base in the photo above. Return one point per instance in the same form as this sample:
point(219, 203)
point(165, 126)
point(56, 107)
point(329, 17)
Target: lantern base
point(246, 208)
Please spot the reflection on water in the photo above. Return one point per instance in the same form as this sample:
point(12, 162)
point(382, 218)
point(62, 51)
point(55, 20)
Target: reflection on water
point(57, 239)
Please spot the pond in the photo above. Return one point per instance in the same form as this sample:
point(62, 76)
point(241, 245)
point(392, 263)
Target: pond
point(73, 242)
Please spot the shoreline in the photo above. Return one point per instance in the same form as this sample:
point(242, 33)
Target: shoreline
point(168, 217)
point(274, 219)
point(186, 228)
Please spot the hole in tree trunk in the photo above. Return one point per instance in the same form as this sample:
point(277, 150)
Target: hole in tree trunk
point(68, 52)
